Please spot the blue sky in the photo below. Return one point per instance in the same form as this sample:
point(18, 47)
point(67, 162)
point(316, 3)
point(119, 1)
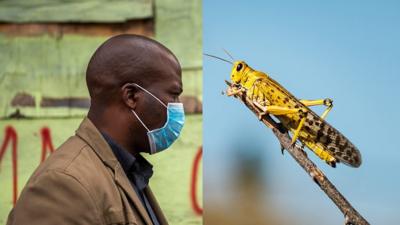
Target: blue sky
point(348, 51)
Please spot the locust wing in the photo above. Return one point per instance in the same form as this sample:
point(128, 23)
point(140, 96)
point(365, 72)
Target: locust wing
point(333, 141)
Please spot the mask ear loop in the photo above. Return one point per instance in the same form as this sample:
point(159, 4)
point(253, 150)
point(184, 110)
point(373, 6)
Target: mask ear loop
point(148, 92)
point(140, 120)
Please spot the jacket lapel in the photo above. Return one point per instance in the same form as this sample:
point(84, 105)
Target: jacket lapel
point(155, 206)
point(89, 133)
point(122, 181)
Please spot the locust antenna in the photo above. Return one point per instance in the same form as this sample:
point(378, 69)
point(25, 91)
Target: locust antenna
point(230, 56)
point(213, 56)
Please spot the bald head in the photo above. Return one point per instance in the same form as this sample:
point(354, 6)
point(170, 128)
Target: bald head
point(128, 59)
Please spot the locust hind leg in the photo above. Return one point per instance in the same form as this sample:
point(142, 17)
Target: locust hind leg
point(279, 111)
point(274, 110)
point(326, 102)
point(303, 116)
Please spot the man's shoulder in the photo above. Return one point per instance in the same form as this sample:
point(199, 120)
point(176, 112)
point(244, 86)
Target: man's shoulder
point(70, 151)
point(70, 177)
point(74, 158)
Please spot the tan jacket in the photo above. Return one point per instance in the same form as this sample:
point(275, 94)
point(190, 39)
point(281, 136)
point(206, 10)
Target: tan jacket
point(82, 183)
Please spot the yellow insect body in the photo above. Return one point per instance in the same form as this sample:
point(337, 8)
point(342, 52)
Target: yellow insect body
point(295, 115)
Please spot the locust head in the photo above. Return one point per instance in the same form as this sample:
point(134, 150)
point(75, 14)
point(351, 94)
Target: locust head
point(239, 71)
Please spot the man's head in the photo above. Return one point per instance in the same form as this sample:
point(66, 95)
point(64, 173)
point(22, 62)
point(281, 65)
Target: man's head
point(114, 68)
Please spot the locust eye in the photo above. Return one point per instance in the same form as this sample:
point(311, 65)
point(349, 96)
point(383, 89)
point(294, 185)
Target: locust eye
point(239, 67)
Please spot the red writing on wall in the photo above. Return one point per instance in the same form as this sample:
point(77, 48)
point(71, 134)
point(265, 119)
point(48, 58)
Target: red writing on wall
point(193, 184)
point(10, 137)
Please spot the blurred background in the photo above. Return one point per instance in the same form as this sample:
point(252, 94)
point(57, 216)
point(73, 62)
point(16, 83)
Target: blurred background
point(45, 46)
point(346, 50)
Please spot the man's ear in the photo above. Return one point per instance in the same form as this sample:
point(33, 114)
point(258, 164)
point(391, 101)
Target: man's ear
point(130, 95)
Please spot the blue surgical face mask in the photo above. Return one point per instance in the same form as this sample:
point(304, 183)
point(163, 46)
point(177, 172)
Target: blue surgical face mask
point(161, 138)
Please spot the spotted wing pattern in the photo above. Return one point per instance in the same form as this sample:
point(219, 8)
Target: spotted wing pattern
point(332, 140)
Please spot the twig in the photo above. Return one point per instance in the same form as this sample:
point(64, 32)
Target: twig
point(352, 217)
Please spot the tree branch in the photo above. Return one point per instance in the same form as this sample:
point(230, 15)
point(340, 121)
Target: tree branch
point(350, 214)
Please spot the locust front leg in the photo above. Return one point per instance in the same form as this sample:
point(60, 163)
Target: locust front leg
point(257, 95)
point(326, 102)
point(234, 91)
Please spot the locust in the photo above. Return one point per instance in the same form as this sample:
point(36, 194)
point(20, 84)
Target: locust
point(294, 114)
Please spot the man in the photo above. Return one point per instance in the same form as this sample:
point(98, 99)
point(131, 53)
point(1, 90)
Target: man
point(98, 175)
